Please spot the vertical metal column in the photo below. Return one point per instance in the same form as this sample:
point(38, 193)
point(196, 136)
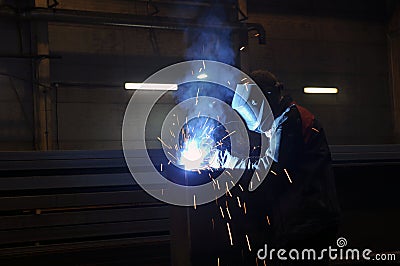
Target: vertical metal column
point(44, 101)
point(181, 241)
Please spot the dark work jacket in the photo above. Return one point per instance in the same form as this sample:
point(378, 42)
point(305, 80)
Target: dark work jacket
point(300, 186)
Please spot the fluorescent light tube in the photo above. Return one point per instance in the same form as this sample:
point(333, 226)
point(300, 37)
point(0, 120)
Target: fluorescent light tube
point(320, 90)
point(151, 86)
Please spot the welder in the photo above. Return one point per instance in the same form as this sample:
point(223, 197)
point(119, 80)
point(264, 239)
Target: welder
point(302, 202)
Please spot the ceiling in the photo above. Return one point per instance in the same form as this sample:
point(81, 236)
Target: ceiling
point(357, 9)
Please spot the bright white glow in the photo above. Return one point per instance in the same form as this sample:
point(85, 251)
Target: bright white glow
point(242, 48)
point(320, 90)
point(192, 151)
point(202, 76)
point(151, 86)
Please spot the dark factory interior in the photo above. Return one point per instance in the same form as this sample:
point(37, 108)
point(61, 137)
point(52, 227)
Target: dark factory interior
point(79, 151)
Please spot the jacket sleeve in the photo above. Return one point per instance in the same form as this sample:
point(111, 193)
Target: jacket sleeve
point(285, 144)
point(287, 140)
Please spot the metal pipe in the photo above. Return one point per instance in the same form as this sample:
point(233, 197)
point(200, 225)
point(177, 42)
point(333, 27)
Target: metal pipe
point(30, 56)
point(260, 30)
point(125, 20)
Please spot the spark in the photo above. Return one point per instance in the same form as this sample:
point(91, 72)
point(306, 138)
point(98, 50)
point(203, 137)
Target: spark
point(183, 133)
point(238, 199)
point(202, 76)
point(205, 123)
point(265, 263)
point(192, 73)
point(242, 48)
point(198, 115)
point(162, 191)
point(243, 79)
point(169, 162)
point(197, 97)
point(233, 132)
point(200, 69)
point(172, 155)
point(244, 207)
point(229, 83)
point(194, 201)
point(211, 178)
point(161, 167)
point(258, 177)
point(218, 144)
point(241, 188)
point(227, 172)
point(218, 185)
point(316, 130)
point(222, 212)
point(218, 262)
point(287, 174)
point(163, 143)
point(274, 172)
point(257, 34)
point(251, 184)
point(229, 214)
point(172, 133)
point(268, 221)
point(204, 65)
point(233, 184)
point(227, 189)
point(248, 243)
point(230, 235)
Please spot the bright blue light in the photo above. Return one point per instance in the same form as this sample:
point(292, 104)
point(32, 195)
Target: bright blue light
point(197, 144)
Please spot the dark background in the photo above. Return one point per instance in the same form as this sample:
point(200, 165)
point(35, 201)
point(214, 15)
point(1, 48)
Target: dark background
point(66, 195)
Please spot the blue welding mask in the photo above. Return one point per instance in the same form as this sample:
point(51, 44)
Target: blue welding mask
point(251, 104)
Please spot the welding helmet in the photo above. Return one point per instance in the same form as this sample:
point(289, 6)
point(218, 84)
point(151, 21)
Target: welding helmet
point(253, 107)
point(271, 88)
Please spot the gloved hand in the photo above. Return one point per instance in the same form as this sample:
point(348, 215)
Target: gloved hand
point(215, 160)
point(219, 159)
point(233, 162)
